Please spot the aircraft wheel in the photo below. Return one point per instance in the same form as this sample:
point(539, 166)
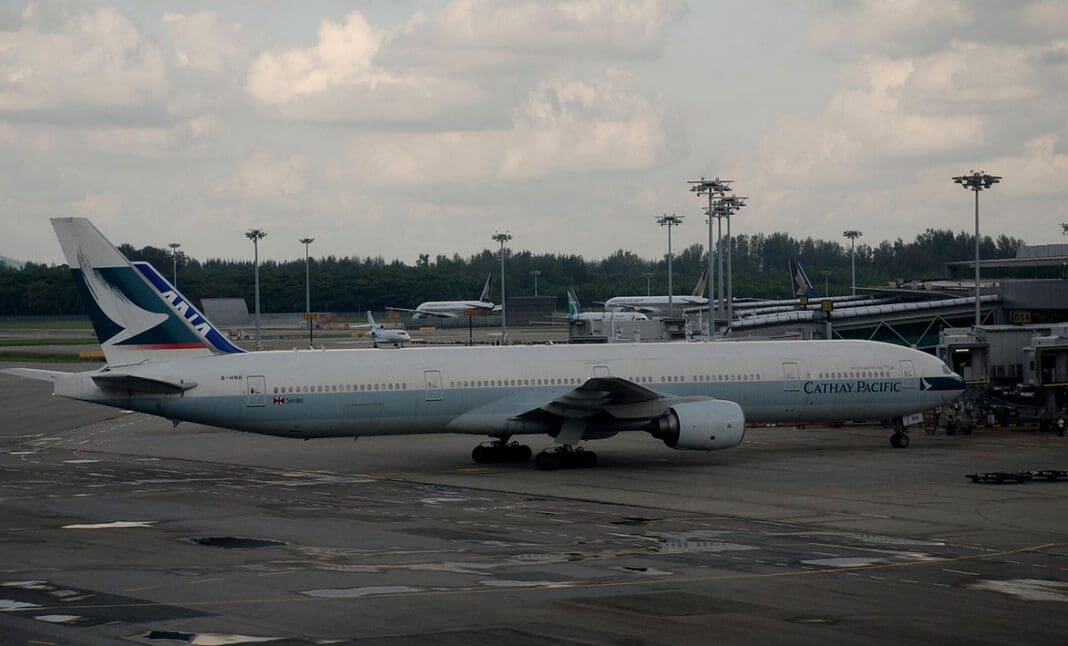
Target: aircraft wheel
point(951, 429)
point(587, 459)
point(897, 440)
point(521, 453)
point(546, 461)
point(479, 454)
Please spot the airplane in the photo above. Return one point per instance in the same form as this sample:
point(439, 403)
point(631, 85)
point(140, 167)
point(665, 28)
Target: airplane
point(380, 334)
point(164, 358)
point(800, 285)
point(575, 313)
point(454, 309)
point(653, 304)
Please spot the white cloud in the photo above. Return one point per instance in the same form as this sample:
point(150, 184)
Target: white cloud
point(201, 42)
point(563, 126)
point(887, 26)
point(265, 177)
point(529, 28)
point(97, 59)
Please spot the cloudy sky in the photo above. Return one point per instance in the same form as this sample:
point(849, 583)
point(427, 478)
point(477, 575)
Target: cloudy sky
point(406, 127)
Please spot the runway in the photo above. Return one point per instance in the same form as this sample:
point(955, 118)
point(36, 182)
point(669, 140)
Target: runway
point(117, 527)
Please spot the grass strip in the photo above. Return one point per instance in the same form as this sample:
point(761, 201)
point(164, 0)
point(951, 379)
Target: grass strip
point(39, 341)
point(15, 355)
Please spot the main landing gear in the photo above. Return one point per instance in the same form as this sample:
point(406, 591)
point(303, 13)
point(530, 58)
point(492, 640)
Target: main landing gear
point(565, 457)
point(501, 451)
point(900, 439)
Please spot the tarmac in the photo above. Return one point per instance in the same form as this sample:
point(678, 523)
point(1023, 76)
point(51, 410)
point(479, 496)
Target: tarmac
point(116, 527)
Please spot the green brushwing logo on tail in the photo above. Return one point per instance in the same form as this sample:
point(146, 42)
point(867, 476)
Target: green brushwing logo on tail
point(126, 312)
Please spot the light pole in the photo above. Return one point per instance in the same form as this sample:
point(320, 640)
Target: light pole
point(307, 289)
point(255, 235)
point(535, 273)
point(852, 234)
point(976, 181)
point(711, 188)
point(669, 221)
point(730, 204)
point(648, 283)
point(826, 291)
point(174, 260)
point(502, 238)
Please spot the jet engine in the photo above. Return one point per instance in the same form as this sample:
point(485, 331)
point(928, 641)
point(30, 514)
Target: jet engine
point(701, 425)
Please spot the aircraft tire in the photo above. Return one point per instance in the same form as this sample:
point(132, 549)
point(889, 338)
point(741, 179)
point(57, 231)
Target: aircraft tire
point(587, 459)
point(546, 461)
point(479, 454)
point(520, 453)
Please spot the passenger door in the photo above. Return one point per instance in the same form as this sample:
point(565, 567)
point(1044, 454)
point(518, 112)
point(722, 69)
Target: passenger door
point(432, 386)
point(256, 386)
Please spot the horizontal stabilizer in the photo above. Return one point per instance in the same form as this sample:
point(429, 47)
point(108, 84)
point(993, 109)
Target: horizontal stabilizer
point(147, 385)
point(40, 375)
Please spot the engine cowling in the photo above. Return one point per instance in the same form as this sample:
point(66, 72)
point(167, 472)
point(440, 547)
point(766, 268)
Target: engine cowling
point(702, 425)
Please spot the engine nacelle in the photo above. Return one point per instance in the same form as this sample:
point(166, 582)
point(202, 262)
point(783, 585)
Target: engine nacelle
point(702, 425)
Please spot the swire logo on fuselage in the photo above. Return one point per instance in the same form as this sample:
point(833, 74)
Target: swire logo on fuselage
point(851, 387)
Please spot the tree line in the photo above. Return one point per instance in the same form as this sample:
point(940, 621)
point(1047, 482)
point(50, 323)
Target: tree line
point(354, 284)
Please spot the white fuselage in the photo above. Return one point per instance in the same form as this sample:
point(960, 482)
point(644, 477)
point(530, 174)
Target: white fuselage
point(653, 302)
point(450, 309)
point(316, 393)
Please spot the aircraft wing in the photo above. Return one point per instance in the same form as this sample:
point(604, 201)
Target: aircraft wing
point(608, 396)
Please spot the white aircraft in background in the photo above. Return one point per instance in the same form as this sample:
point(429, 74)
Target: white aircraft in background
point(164, 358)
point(575, 313)
point(654, 304)
point(380, 334)
point(454, 309)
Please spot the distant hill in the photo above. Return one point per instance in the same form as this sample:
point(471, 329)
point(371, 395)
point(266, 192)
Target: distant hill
point(10, 262)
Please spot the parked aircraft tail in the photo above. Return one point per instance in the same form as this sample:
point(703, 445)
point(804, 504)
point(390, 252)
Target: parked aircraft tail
point(573, 305)
point(800, 285)
point(485, 295)
point(701, 288)
point(137, 315)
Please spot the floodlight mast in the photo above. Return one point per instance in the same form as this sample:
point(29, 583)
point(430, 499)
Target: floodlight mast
point(976, 181)
point(307, 289)
point(711, 188)
point(852, 234)
point(502, 238)
point(669, 221)
point(174, 259)
point(731, 204)
point(255, 235)
point(535, 273)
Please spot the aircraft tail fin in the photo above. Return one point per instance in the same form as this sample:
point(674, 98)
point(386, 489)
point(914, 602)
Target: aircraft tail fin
point(701, 288)
point(800, 285)
point(485, 295)
point(371, 320)
point(137, 315)
point(573, 305)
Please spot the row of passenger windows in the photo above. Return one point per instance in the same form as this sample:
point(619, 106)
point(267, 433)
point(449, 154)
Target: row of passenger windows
point(562, 381)
point(863, 374)
point(335, 388)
